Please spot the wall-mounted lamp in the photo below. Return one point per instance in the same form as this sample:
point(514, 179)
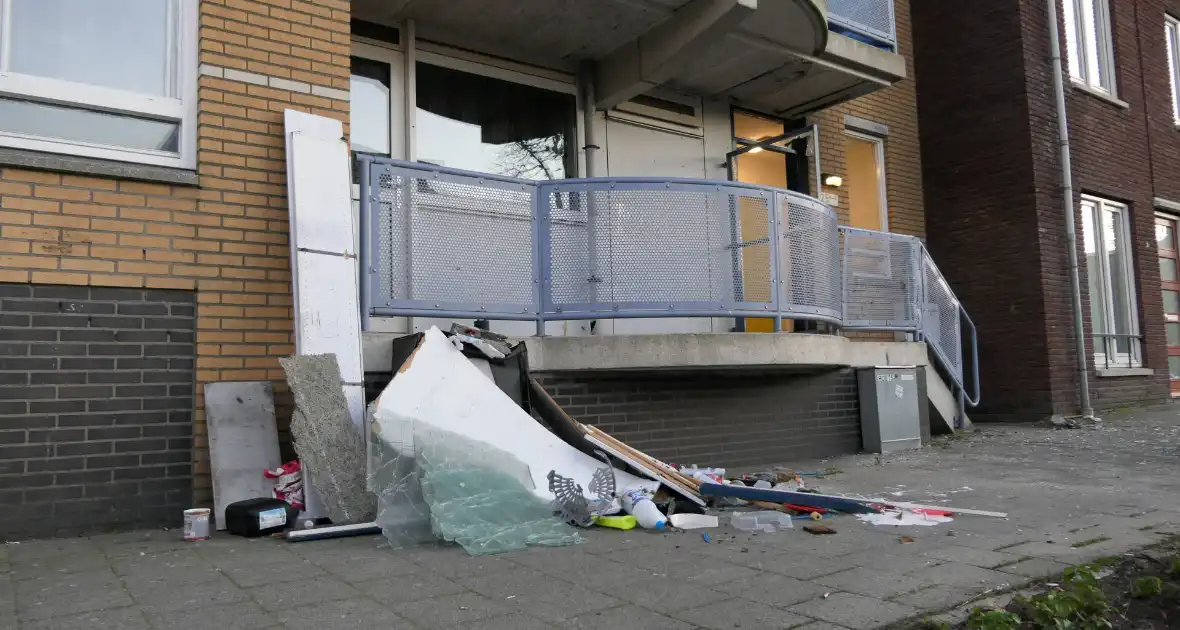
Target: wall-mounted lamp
point(835, 181)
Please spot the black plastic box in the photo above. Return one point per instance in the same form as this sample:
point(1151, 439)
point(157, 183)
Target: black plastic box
point(259, 517)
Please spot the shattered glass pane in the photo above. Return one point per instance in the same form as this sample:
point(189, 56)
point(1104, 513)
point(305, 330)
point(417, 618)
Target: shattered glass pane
point(434, 484)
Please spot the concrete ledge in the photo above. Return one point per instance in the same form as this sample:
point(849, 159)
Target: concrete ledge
point(688, 351)
point(1117, 372)
point(96, 167)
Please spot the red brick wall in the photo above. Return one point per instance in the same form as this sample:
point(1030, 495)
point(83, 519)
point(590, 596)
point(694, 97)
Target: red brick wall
point(993, 187)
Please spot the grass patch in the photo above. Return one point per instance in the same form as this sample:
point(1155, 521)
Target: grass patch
point(1107, 561)
point(1147, 528)
point(1012, 562)
point(1091, 541)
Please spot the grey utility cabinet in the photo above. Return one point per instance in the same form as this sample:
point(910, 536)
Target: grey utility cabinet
point(893, 409)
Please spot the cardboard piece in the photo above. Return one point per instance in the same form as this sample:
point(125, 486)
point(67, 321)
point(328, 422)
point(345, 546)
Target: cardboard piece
point(243, 441)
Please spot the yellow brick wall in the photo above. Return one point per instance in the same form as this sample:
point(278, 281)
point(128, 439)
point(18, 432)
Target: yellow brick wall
point(226, 238)
point(896, 107)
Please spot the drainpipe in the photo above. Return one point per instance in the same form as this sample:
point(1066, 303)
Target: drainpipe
point(1071, 233)
point(590, 147)
point(588, 111)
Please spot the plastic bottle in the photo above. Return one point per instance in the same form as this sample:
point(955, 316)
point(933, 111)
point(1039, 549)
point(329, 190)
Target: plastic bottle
point(638, 503)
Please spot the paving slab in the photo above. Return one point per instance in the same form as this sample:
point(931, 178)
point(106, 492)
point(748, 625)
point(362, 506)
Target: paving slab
point(285, 595)
point(772, 589)
point(245, 615)
point(70, 594)
point(664, 595)
point(626, 616)
point(117, 619)
point(854, 611)
point(539, 594)
point(1035, 568)
point(342, 613)
point(413, 587)
point(733, 613)
point(878, 581)
point(450, 610)
point(178, 595)
point(983, 558)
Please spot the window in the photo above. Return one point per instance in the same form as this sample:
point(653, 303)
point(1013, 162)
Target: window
point(1172, 33)
point(1113, 317)
point(112, 79)
point(1088, 43)
point(480, 123)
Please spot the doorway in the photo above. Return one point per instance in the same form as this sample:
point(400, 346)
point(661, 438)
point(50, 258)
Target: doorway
point(780, 165)
point(1166, 227)
point(864, 160)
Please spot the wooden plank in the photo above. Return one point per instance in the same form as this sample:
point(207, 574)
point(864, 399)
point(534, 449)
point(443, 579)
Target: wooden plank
point(841, 504)
point(644, 467)
point(653, 462)
point(947, 508)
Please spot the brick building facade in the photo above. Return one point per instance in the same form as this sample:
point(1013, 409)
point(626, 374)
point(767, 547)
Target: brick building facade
point(993, 185)
point(184, 262)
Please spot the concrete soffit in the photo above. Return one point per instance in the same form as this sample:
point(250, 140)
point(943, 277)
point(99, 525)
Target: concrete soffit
point(669, 47)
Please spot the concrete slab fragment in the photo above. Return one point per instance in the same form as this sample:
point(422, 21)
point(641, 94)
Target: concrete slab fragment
point(724, 615)
point(328, 443)
point(243, 441)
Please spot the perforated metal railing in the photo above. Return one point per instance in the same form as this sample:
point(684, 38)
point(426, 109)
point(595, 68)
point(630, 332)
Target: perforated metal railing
point(446, 243)
point(874, 18)
point(892, 283)
point(439, 242)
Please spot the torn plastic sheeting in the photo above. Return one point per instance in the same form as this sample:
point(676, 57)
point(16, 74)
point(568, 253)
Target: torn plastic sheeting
point(438, 389)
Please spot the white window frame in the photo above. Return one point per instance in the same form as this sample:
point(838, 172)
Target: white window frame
point(1172, 35)
point(1082, 39)
point(181, 110)
point(1096, 206)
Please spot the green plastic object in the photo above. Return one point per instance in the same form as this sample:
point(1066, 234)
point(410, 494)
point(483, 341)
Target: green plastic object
point(624, 522)
point(482, 498)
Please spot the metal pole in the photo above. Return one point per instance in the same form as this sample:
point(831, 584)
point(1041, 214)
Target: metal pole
point(1071, 235)
point(589, 109)
point(590, 147)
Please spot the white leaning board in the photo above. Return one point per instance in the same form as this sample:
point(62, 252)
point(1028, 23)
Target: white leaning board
point(323, 256)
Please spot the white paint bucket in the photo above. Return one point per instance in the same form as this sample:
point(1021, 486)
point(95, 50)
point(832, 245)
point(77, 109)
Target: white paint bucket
point(196, 524)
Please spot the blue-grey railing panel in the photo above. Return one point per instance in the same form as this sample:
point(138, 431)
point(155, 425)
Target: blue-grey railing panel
point(452, 242)
point(809, 258)
point(875, 18)
point(882, 280)
point(669, 246)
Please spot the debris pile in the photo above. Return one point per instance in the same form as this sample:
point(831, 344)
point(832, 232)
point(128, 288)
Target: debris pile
point(464, 446)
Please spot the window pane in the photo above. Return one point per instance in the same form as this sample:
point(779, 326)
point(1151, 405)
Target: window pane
point(1170, 38)
point(369, 106)
point(478, 123)
point(1173, 334)
point(1094, 275)
point(1168, 269)
point(122, 44)
point(1071, 40)
point(1118, 266)
point(1165, 236)
point(79, 125)
point(1171, 302)
point(1094, 37)
point(1174, 367)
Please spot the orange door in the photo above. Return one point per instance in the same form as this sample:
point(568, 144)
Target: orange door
point(1169, 257)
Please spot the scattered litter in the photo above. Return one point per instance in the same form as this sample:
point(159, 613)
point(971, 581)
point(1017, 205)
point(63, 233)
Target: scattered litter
point(705, 537)
point(903, 517)
point(905, 540)
point(827, 594)
point(196, 524)
point(637, 502)
point(766, 522)
point(843, 504)
point(819, 530)
point(288, 483)
point(623, 522)
point(510, 597)
point(693, 521)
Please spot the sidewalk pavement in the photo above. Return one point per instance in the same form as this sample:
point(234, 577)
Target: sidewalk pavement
point(1073, 495)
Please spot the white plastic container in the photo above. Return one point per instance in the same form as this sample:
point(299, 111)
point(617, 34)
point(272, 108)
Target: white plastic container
point(196, 524)
point(766, 522)
point(638, 503)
